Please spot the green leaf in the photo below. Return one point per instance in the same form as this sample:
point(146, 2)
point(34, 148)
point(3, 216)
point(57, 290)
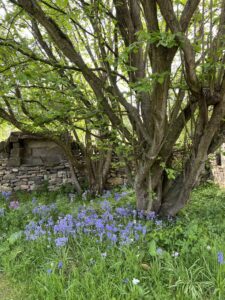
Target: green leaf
point(161, 79)
point(14, 237)
point(152, 248)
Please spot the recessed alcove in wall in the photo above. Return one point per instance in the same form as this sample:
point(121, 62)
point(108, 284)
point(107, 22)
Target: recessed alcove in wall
point(41, 152)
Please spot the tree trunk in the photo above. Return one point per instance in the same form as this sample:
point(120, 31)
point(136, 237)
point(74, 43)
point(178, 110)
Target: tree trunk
point(97, 164)
point(178, 194)
point(73, 166)
point(142, 187)
point(167, 199)
point(74, 178)
point(97, 171)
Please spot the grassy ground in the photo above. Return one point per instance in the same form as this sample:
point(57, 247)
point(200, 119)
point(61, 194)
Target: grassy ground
point(8, 290)
point(51, 248)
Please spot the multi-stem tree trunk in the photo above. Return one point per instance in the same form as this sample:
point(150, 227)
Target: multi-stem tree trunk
point(73, 164)
point(95, 167)
point(97, 171)
point(166, 197)
point(97, 164)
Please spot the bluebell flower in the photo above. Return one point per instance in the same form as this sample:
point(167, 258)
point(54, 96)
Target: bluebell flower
point(50, 222)
point(44, 210)
point(124, 212)
point(6, 195)
point(111, 227)
point(107, 216)
point(14, 204)
point(137, 237)
point(118, 196)
point(33, 231)
point(60, 265)
point(99, 224)
point(141, 214)
point(105, 205)
point(112, 237)
point(220, 258)
point(65, 225)
point(61, 241)
point(158, 223)
point(140, 227)
point(151, 215)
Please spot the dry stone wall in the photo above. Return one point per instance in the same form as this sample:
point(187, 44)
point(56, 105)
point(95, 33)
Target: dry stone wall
point(29, 178)
point(27, 163)
point(218, 167)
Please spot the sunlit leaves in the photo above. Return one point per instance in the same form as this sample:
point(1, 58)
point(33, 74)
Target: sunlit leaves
point(165, 39)
point(146, 84)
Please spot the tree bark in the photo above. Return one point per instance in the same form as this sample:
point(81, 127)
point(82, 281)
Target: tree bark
point(73, 166)
point(97, 172)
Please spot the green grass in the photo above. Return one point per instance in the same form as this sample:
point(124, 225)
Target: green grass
point(8, 290)
point(198, 234)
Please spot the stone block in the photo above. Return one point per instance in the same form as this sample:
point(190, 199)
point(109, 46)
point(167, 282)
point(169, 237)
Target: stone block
point(116, 181)
point(22, 176)
point(24, 187)
point(61, 173)
point(5, 188)
point(32, 187)
point(9, 176)
point(14, 162)
point(16, 188)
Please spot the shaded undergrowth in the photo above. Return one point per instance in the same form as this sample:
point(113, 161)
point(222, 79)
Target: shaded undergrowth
point(104, 249)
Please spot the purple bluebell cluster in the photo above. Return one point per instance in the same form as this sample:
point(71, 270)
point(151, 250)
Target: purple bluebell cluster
point(220, 258)
point(118, 196)
point(44, 210)
point(107, 194)
point(6, 195)
point(105, 223)
point(61, 241)
point(14, 204)
point(34, 230)
point(65, 226)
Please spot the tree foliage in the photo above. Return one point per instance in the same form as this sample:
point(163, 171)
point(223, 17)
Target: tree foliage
point(147, 75)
